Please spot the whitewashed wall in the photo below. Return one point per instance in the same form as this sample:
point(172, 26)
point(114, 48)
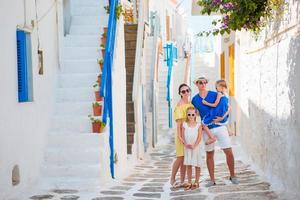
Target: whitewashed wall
point(268, 94)
point(119, 101)
point(23, 126)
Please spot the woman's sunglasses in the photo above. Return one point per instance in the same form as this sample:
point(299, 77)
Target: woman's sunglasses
point(185, 91)
point(189, 114)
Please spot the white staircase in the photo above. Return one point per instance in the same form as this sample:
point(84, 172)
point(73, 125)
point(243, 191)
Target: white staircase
point(75, 158)
point(163, 115)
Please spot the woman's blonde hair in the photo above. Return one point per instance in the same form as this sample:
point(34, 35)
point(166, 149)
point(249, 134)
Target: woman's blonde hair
point(187, 110)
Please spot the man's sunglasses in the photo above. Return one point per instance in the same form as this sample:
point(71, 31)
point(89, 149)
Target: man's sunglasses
point(202, 82)
point(185, 91)
point(193, 115)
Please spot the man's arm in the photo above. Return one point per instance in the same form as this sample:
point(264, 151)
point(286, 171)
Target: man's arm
point(218, 119)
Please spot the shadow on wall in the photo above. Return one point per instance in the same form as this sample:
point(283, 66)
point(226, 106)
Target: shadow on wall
point(293, 61)
point(273, 143)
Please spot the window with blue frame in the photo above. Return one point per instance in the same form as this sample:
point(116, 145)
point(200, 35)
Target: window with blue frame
point(24, 66)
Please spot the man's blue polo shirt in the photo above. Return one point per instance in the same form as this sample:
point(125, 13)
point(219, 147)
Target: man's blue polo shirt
point(204, 109)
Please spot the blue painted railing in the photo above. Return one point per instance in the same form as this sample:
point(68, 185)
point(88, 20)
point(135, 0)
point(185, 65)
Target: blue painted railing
point(170, 56)
point(106, 84)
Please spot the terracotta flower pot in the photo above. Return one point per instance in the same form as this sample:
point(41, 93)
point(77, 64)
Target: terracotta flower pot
point(101, 67)
point(105, 29)
point(96, 127)
point(98, 97)
point(103, 40)
point(99, 79)
point(103, 52)
point(97, 110)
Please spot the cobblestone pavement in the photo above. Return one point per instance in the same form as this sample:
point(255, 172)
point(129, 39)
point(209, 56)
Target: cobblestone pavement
point(150, 180)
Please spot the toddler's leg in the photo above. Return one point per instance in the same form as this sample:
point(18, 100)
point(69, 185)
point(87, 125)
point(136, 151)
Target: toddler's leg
point(211, 137)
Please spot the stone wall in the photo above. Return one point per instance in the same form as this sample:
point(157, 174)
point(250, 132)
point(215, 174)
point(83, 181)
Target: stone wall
point(268, 97)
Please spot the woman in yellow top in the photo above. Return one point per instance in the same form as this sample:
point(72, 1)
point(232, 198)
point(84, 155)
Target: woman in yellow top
point(180, 116)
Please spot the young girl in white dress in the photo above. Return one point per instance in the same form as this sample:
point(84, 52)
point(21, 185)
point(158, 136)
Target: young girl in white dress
point(192, 134)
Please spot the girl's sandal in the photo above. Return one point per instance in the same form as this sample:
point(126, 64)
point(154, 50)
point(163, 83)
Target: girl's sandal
point(195, 186)
point(188, 187)
point(176, 185)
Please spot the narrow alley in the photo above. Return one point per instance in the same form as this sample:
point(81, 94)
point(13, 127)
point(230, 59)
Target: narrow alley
point(102, 99)
point(150, 180)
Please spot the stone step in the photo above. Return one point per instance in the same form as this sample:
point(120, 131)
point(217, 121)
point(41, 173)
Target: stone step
point(82, 40)
point(80, 66)
point(77, 123)
point(77, 80)
point(87, 29)
point(75, 94)
point(69, 171)
point(74, 108)
point(88, 10)
point(88, 155)
point(89, 20)
point(81, 53)
point(75, 140)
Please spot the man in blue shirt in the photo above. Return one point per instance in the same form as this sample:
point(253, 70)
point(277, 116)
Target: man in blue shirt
point(219, 131)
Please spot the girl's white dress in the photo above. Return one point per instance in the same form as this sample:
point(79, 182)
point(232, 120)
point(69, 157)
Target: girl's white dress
point(192, 156)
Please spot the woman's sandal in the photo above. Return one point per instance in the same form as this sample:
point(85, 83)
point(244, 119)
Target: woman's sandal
point(176, 185)
point(195, 186)
point(188, 187)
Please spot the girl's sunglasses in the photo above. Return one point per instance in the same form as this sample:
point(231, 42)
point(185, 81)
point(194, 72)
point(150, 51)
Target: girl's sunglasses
point(189, 114)
point(185, 91)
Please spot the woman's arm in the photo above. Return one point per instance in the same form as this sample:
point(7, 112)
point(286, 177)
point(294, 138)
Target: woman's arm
point(215, 103)
point(199, 137)
point(180, 130)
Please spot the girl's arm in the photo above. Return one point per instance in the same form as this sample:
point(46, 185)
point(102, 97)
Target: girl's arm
point(180, 130)
point(199, 137)
point(215, 103)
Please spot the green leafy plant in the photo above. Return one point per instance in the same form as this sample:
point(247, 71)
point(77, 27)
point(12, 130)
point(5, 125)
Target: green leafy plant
point(96, 103)
point(101, 61)
point(106, 8)
point(249, 15)
point(102, 46)
point(97, 120)
point(104, 34)
point(96, 86)
point(119, 10)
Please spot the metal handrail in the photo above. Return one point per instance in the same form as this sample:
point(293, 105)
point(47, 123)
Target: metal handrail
point(106, 83)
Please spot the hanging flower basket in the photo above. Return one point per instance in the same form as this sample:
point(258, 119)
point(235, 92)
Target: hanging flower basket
point(236, 15)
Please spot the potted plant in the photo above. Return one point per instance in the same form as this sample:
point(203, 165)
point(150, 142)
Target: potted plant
point(119, 10)
point(104, 34)
point(97, 92)
point(97, 125)
point(106, 8)
point(105, 30)
point(97, 108)
point(101, 62)
point(103, 40)
point(102, 49)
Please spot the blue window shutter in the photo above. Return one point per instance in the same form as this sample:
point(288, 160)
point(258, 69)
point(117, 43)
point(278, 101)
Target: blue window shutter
point(22, 66)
